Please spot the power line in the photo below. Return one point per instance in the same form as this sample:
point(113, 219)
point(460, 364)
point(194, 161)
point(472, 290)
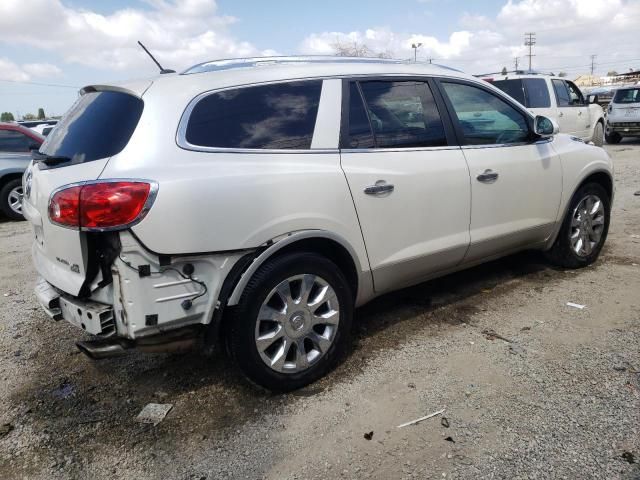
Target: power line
point(530, 41)
point(40, 84)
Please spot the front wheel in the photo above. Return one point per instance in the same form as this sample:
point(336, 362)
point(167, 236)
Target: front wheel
point(584, 228)
point(293, 321)
point(598, 135)
point(11, 199)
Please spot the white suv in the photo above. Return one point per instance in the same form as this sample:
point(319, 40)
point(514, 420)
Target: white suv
point(558, 99)
point(623, 115)
point(259, 201)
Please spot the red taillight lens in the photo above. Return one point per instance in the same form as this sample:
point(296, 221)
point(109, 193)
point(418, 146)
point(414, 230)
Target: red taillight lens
point(103, 205)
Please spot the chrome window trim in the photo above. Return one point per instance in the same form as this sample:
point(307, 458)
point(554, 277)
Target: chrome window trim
point(497, 145)
point(400, 149)
point(181, 134)
point(153, 193)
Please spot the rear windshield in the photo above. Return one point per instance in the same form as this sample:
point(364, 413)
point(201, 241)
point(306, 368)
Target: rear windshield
point(630, 95)
point(530, 92)
point(98, 125)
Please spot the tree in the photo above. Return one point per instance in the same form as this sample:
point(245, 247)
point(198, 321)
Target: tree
point(6, 117)
point(504, 70)
point(612, 73)
point(28, 116)
point(41, 115)
point(562, 74)
point(356, 50)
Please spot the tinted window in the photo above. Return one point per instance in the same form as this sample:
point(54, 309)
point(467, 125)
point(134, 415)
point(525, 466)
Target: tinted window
point(98, 125)
point(537, 93)
point(360, 135)
point(513, 88)
point(484, 118)
point(575, 94)
point(12, 141)
point(562, 94)
point(280, 116)
point(631, 95)
point(403, 114)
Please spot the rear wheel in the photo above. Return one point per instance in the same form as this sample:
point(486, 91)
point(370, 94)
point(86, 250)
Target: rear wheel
point(598, 135)
point(613, 137)
point(11, 199)
point(584, 228)
point(292, 323)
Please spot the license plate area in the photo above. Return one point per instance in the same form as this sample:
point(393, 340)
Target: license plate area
point(93, 317)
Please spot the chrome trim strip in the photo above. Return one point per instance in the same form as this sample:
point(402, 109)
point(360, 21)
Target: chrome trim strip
point(399, 149)
point(153, 193)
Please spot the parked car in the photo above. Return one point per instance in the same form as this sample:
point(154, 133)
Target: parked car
point(556, 98)
point(16, 143)
point(623, 115)
point(257, 202)
point(43, 128)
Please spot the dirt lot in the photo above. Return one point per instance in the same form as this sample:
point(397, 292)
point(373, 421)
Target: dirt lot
point(560, 399)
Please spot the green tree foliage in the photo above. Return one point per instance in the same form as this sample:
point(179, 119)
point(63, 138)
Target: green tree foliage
point(6, 117)
point(28, 116)
point(612, 73)
point(504, 70)
point(41, 115)
point(562, 74)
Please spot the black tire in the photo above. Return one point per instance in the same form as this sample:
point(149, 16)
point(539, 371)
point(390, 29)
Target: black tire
point(242, 327)
point(5, 208)
point(561, 253)
point(598, 135)
point(613, 138)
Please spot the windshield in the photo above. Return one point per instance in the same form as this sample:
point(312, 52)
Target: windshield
point(98, 125)
point(630, 95)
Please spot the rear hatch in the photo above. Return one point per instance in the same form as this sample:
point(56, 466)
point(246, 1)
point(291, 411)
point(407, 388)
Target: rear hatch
point(625, 106)
point(98, 126)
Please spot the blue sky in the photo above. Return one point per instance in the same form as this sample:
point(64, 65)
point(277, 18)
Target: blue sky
point(78, 42)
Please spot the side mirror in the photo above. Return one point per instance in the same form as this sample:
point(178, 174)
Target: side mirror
point(593, 98)
point(545, 127)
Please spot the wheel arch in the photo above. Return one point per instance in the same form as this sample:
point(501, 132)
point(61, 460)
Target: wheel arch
point(9, 175)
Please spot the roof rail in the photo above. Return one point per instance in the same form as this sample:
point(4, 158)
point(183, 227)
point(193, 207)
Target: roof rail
point(516, 72)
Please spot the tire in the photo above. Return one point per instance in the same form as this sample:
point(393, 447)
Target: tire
point(563, 252)
point(7, 199)
point(613, 138)
point(598, 135)
point(293, 322)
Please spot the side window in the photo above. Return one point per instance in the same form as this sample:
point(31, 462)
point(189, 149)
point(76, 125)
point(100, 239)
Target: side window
point(484, 118)
point(562, 93)
point(12, 141)
point(537, 93)
point(280, 116)
point(575, 94)
point(360, 135)
point(401, 114)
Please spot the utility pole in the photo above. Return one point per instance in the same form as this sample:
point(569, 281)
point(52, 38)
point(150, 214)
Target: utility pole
point(516, 60)
point(415, 47)
point(593, 58)
point(530, 41)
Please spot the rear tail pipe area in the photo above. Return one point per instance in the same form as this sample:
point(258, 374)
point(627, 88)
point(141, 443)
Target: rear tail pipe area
point(180, 340)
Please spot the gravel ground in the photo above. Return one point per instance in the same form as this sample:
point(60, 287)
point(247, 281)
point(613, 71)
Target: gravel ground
point(560, 398)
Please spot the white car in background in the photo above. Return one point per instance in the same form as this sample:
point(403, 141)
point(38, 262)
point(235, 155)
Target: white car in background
point(623, 115)
point(259, 201)
point(556, 98)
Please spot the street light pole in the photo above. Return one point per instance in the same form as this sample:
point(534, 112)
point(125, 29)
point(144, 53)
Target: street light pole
point(415, 47)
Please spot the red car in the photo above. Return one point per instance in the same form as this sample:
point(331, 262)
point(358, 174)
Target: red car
point(16, 143)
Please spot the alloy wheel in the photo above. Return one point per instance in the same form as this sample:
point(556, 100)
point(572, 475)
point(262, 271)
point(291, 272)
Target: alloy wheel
point(15, 199)
point(587, 225)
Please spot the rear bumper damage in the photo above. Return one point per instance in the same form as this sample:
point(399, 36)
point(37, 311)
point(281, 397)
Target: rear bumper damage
point(144, 301)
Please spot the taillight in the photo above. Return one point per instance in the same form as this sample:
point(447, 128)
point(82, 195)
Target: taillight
point(100, 206)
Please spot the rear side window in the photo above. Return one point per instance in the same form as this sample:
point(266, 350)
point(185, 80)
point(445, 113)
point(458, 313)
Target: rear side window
point(562, 93)
point(13, 141)
point(484, 118)
point(627, 96)
point(537, 93)
point(99, 125)
point(401, 115)
point(360, 135)
point(514, 88)
point(280, 116)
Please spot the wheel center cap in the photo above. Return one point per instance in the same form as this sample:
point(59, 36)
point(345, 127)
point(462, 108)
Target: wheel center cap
point(297, 321)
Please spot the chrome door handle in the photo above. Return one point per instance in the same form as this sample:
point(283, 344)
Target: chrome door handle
point(579, 113)
point(488, 176)
point(380, 187)
point(561, 114)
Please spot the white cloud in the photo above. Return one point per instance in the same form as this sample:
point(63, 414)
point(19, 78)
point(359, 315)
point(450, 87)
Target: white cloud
point(178, 32)
point(23, 73)
point(568, 32)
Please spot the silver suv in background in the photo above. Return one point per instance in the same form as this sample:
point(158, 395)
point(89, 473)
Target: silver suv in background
point(623, 115)
point(257, 202)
